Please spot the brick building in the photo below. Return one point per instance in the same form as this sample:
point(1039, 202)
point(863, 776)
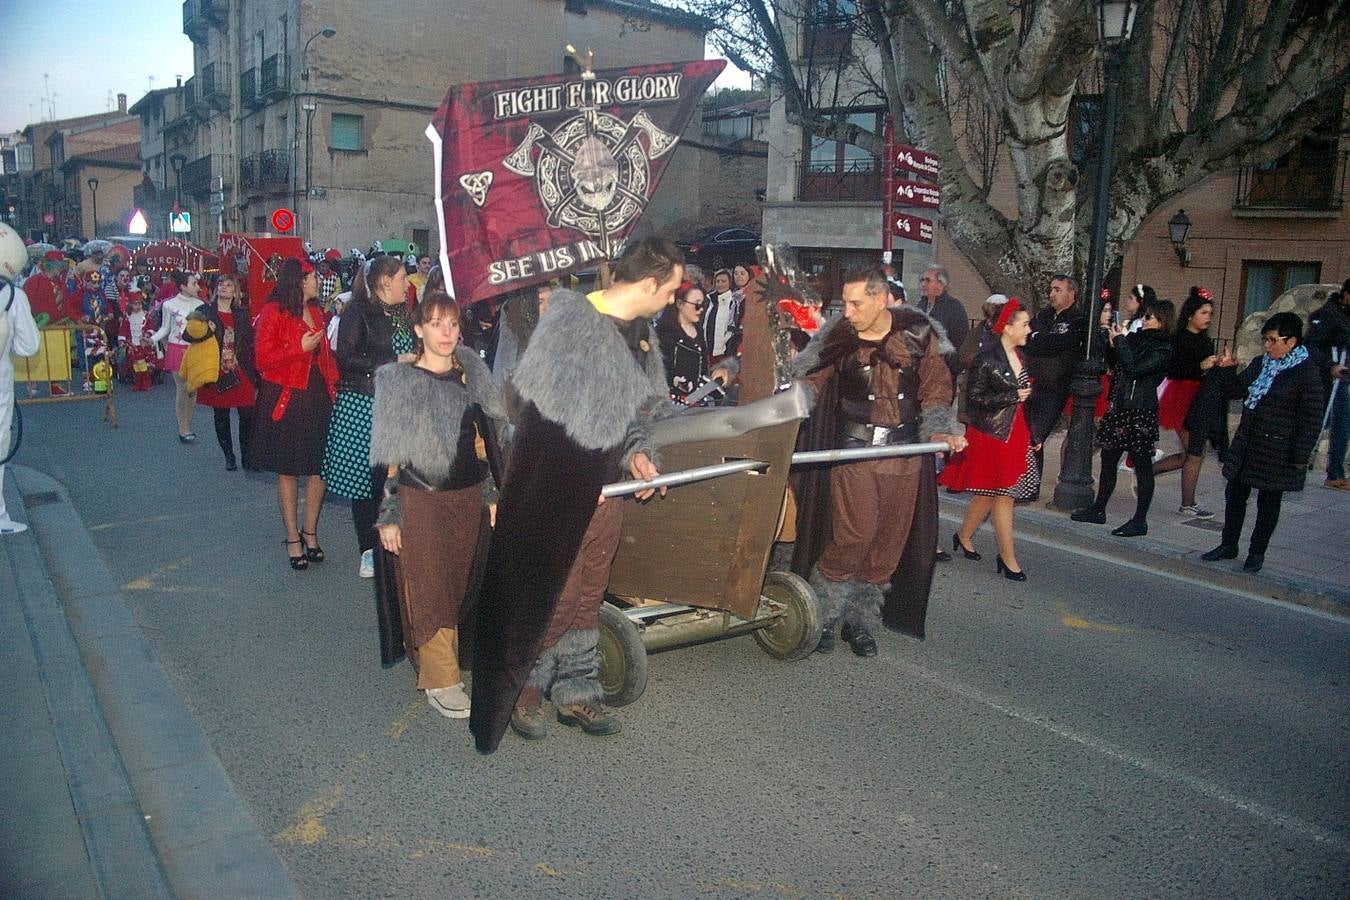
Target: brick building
point(322, 107)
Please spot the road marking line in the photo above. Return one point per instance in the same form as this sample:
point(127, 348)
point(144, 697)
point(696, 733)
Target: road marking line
point(309, 828)
point(1199, 785)
point(1070, 619)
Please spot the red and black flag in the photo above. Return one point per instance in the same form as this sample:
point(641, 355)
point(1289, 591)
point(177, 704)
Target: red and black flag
point(538, 177)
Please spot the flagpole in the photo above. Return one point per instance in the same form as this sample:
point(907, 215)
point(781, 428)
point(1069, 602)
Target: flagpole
point(589, 111)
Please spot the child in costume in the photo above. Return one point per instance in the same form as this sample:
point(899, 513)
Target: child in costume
point(134, 340)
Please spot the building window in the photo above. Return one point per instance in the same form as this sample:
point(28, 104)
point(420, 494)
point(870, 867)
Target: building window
point(422, 238)
point(835, 170)
point(825, 269)
point(345, 133)
point(1263, 282)
point(828, 29)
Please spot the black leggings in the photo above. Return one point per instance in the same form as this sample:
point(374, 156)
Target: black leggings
point(1143, 476)
point(226, 439)
point(365, 512)
point(1235, 512)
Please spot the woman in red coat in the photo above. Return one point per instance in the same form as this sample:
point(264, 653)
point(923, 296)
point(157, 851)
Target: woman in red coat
point(298, 379)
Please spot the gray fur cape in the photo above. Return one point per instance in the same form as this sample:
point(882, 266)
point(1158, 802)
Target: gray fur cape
point(416, 419)
point(584, 405)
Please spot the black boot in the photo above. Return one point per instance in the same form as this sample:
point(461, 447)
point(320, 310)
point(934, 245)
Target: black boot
point(860, 639)
point(826, 642)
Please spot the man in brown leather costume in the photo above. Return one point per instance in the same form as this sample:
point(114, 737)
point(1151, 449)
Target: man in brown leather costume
point(880, 378)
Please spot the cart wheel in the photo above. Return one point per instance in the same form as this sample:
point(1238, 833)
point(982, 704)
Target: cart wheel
point(796, 632)
point(623, 659)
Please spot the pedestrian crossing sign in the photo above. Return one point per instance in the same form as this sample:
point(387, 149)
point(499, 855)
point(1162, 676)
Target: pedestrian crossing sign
point(180, 222)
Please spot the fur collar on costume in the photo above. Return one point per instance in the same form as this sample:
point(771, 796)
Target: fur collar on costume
point(912, 326)
point(578, 372)
point(417, 415)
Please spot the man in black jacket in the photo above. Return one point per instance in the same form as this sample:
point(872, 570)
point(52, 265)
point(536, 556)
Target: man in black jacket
point(938, 304)
point(1056, 342)
point(1329, 343)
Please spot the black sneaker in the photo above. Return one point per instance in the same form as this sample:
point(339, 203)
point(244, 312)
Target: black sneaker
point(591, 717)
point(1089, 514)
point(1223, 551)
point(529, 723)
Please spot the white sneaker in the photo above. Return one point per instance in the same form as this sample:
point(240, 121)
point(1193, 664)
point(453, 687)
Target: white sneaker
point(9, 526)
point(1196, 511)
point(367, 567)
point(451, 702)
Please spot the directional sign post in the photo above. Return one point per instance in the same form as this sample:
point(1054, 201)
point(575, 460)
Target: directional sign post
point(913, 228)
point(917, 193)
point(912, 159)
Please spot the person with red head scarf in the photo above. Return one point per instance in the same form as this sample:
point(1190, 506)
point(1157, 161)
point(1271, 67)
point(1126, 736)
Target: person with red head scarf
point(998, 467)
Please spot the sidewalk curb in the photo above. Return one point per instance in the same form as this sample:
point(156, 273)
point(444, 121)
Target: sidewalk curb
point(207, 843)
point(1035, 522)
point(118, 850)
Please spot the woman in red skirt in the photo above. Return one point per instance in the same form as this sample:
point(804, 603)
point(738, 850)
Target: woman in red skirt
point(1192, 357)
point(236, 389)
point(999, 465)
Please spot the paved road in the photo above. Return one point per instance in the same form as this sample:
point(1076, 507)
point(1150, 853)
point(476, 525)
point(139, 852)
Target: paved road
point(1097, 731)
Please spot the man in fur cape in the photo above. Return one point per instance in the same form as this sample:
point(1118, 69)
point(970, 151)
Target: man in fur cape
point(585, 387)
point(880, 378)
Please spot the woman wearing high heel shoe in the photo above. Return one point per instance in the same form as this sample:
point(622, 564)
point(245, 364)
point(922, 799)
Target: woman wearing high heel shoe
point(999, 465)
point(1130, 425)
point(298, 380)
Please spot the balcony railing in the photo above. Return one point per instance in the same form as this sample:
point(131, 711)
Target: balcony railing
point(190, 93)
point(858, 179)
point(1315, 186)
point(214, 90)
point(265, 171)
point(274, 77)
point(827, 37)
point(197, 176)
point(217, 11)
point(248, 89)
point(194, 24)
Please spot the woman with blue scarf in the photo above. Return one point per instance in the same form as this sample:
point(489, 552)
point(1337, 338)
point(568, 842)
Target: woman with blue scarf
point(1281, 396)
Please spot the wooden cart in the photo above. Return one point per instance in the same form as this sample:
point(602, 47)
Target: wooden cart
point(692, 567)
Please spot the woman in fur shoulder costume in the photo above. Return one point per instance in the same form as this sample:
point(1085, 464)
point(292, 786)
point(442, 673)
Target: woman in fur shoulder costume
point(427, 419)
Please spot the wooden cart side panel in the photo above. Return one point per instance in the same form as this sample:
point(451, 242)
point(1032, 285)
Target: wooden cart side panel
point(707, 544)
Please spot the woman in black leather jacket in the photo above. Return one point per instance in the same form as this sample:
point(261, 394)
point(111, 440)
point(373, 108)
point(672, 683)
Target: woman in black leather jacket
point(1139, 363)
point(375, 329)
point(998, 465)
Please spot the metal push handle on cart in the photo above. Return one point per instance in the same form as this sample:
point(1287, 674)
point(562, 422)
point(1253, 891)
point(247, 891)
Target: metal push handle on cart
point(703, 473)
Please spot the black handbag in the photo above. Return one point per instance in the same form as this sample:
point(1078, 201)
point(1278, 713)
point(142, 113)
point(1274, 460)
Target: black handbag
point(227, 381)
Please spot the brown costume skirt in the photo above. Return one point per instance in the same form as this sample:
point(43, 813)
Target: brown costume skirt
point(440, 532)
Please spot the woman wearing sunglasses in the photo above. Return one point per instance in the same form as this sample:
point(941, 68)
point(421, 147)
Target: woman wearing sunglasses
point(688, 362)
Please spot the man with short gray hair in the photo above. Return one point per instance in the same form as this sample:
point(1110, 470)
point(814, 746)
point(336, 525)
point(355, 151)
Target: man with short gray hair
point(946, 309)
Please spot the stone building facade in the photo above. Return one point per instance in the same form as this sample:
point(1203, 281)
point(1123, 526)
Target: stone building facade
point(322, 107)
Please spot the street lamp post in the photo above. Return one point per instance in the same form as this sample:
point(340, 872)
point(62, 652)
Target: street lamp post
point(1075, 489)
point(93, 197)
point(327, 31)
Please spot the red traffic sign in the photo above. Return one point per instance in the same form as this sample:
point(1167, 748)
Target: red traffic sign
point(917, 193)
point(913, 228)
point(283, 219)
point(912, 159)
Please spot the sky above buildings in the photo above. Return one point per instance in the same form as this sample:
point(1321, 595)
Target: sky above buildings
point(88, 52)
point(116, 46)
